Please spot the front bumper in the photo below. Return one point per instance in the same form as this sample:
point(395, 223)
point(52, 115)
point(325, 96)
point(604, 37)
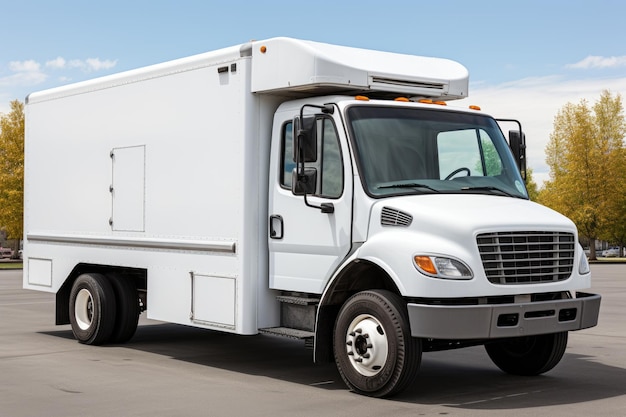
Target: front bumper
point(493, 321)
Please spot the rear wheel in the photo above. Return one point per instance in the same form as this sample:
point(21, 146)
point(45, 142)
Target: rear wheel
point(128, 309)
point(529, 355)
point(374, 351)
point(92, 309)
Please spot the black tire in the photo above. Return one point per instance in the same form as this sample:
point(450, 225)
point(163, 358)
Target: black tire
point(529, 355)
point(128, 309)
point(92, 309)
point(374, 351)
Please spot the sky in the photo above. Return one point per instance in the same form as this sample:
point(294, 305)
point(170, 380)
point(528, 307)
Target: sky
point(526, 59)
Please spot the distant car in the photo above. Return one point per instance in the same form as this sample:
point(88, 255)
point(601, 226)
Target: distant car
point(6, 253)
point(611, 253)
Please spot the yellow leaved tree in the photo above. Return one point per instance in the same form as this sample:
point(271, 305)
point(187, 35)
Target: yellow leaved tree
point(12, 171)
point(586, 159)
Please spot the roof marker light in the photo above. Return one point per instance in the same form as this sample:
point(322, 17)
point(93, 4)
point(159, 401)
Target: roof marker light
point(263, 49)
point(425, 101)
point(474, 107)
point(362, 98)
point(403, 99)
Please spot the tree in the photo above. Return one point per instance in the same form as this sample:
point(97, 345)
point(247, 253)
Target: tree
point(12, 171)
point(531, 185)
point(587, 165)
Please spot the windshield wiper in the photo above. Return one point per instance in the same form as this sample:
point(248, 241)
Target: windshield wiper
point(491, 188)
point(409, 185)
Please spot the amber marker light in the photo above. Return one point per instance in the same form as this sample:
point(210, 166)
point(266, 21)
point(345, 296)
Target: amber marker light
point(362, 98)
point(425, 101)
point(263, 49)
point(403, 99)
point(425, 264)
point(474, 107)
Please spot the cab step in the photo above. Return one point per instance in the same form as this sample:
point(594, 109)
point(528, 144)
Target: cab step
point(288, 332)
point(298, 311)
point(297, 334)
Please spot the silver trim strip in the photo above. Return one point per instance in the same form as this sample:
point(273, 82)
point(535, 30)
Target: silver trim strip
point(137, 242)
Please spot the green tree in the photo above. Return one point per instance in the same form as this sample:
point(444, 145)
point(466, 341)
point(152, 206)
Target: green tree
point(586, 165)
point(12, 171)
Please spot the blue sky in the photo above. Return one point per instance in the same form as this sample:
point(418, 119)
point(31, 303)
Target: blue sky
point(526, 58)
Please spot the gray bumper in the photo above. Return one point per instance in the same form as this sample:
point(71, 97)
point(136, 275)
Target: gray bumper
point(492, 321)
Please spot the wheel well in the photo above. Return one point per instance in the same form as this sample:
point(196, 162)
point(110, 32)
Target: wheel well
point(359, 275)
point(139, 277)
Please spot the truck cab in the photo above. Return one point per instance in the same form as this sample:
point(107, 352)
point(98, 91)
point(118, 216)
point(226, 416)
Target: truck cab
point(418, 207)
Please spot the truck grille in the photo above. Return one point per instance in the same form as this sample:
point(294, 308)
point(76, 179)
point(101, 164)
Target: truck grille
point(526, 257)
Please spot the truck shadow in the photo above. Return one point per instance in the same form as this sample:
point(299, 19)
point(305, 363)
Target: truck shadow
point(464, 379)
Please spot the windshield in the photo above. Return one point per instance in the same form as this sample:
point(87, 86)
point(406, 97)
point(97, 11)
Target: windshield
point(417, 151)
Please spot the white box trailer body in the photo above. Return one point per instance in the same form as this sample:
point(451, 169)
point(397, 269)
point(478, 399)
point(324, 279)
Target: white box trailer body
point(179, 179)
point(182, 198)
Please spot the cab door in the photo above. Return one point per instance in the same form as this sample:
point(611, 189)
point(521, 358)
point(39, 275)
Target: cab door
point(306, 245)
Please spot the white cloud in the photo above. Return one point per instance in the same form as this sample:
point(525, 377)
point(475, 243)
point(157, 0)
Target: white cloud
point(24, 66)
point(535, 102)
point(5, 108)
point(57, 63)
point(22, 76)
point(87, 65)
point(593, 61)
point(25, 73)
point(91, 64)
point(96, 64)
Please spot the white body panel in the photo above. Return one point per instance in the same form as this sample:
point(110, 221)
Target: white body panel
point(149, 171)
point(314, 65)
point(448, 225)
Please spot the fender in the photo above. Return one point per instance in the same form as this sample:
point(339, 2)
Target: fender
point(373, 273)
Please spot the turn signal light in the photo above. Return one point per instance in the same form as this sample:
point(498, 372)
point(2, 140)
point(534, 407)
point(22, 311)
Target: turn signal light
point(425, 264)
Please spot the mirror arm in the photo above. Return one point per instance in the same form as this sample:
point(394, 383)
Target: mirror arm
point(326, 109)
point(328, 208)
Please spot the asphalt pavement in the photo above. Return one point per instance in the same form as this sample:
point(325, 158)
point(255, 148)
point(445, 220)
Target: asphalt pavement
point(171, 370)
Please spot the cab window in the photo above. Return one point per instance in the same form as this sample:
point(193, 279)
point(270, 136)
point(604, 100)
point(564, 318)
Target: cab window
point(329, 164)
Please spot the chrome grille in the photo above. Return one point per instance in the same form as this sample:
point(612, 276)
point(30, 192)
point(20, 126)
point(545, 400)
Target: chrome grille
point(526, 257)
point(393, 217)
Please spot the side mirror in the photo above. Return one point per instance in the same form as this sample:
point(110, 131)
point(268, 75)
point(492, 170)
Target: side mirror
point(517, 143)
point(305, 139)
point(304, 184)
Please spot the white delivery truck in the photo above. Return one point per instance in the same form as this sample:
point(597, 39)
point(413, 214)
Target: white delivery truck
point(303, 189)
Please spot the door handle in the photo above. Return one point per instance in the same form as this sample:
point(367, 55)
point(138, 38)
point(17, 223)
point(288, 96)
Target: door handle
point(276, 226)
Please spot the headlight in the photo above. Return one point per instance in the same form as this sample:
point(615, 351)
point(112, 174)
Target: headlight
point(442, 267)
point(583, 265)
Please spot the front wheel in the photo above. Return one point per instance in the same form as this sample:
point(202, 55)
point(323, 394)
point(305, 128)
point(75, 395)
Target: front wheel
point(529, 355)
point(374, 351)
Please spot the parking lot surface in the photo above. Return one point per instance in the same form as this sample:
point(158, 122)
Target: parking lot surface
point(170, 370)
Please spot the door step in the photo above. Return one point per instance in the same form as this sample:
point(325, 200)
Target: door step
point(298, 311)
point(297, 334)
point(301, 301)
point(288, 332)
point(297, 317)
